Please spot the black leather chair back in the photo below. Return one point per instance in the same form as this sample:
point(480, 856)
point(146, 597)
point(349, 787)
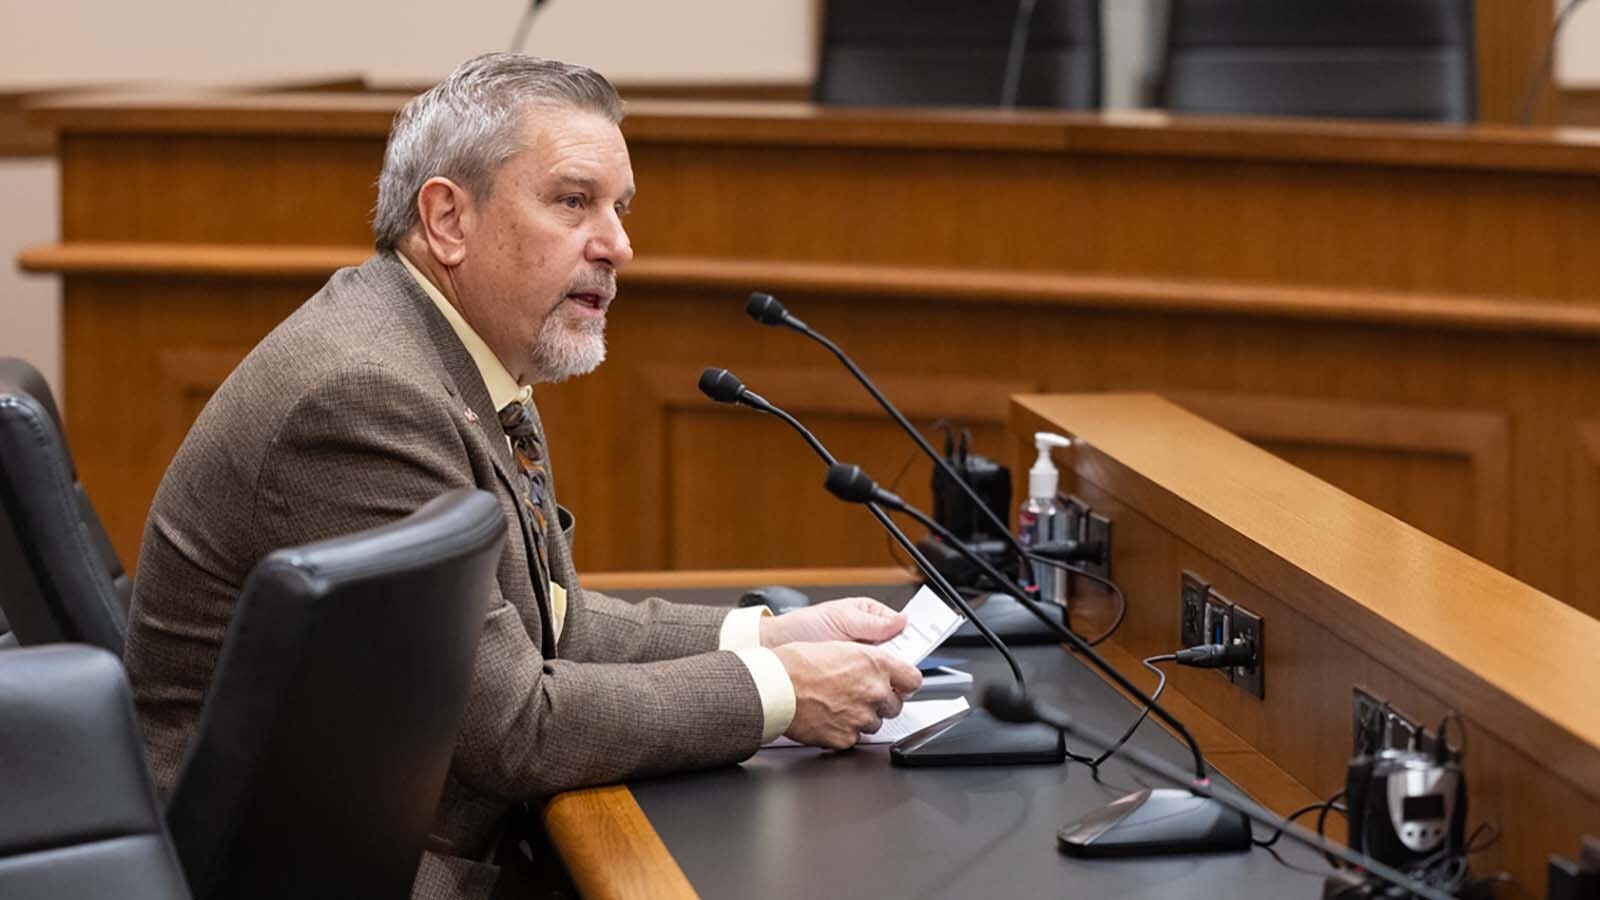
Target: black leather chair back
point(1368, 59)
point(953, 53)
point(78, 816)
point(328, 729)
point(60, 580)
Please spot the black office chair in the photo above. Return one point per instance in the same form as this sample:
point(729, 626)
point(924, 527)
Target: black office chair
point(328, 728)
point(78, 816)
point(60, 580)
point(953, 53)
point(1369, 59)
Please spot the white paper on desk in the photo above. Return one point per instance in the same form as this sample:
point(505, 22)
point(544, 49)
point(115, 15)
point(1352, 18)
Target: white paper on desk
point(929, 621)
point(914, 716)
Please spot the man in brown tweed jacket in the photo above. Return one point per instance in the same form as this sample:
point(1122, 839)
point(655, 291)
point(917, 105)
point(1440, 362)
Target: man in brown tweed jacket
point(499, 234)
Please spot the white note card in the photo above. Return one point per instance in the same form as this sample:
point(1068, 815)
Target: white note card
point(914, 716)
point(929, 621)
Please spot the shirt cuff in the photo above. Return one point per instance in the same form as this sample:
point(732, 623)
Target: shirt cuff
point(742, 628)
point(773, 686)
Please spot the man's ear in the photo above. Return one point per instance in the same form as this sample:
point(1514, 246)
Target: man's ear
point(446, 211)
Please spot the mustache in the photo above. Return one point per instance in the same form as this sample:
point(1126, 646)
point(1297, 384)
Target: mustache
point(603, 282)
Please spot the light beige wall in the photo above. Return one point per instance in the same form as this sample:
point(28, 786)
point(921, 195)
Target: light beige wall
point(30, 306)
point(1578, 59)
point(73, 41)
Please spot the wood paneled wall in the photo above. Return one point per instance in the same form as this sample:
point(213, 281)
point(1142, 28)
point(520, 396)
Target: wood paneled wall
point(1406, 311)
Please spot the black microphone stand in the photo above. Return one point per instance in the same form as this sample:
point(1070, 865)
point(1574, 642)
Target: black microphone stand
point(768, 310)
point(1124, 826)
point(1008, 705)
point(967, 739)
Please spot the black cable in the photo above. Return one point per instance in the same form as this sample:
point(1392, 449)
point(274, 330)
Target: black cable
point(1155, 696)
point(1122, 600)
point(1323, 805)
point(1322, 824)
point(1537, 77)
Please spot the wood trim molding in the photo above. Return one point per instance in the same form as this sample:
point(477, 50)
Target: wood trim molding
point(610, 849)
point(1067, 290)
point(1483, 438)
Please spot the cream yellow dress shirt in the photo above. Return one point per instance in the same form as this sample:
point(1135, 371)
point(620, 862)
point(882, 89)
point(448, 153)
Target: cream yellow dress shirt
point(741, 630)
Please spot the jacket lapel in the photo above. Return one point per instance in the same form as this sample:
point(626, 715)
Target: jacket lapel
point(464, 383)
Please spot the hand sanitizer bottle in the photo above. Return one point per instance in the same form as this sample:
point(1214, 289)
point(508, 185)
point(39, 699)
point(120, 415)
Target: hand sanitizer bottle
point(1041, 519)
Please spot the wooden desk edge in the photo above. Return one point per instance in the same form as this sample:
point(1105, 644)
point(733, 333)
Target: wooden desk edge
point(609, 847)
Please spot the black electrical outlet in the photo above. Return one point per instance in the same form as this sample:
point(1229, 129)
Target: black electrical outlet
point(1192, 610)
point(1250, 629)
point(1097, 534)
point(1074, 516)
point(1217, 624)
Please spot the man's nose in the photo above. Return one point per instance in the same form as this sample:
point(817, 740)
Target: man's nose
point(611, 244)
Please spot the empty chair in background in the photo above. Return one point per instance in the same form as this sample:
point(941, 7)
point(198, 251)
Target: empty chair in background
point(953, 53)
point(1362, 59)
point(60, 579)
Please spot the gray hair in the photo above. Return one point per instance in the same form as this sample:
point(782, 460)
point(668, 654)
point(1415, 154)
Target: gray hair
point(466, 126)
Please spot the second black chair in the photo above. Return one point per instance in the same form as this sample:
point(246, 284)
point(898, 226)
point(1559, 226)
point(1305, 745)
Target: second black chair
point(327, 732)
point(1369, 59)
point(60, 580)
point(954, 52)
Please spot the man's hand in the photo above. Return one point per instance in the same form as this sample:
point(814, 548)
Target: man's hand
point(843, 690)
point(857, 619)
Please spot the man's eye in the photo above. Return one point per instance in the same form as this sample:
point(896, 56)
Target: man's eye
point(572, 201)
point(622, 210)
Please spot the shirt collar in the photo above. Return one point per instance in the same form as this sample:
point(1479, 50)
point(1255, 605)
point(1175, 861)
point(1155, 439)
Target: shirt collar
point(503, 389)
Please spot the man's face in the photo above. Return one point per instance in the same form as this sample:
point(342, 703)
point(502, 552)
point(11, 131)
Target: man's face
point(544, 248)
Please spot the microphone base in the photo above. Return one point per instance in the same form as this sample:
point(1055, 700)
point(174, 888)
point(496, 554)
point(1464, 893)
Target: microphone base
point(975, 738)
point(1011, 622)
point(1155, 822)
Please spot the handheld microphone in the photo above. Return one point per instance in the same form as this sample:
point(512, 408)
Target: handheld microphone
point(767, 310)
point(1007, 703)
point(850, 483)
point(981, 747)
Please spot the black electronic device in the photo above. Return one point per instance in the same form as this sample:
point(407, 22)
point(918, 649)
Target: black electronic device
point(956, 509)
point(982, 741)
point(1408, 806)
point(776, 597)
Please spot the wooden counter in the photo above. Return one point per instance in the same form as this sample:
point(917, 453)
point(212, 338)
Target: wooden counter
point(1406, 311)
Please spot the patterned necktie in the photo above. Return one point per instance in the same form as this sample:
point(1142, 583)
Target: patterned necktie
point(517, 419)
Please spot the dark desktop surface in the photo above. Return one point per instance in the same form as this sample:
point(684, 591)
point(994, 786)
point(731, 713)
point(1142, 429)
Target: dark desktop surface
point(804, 822)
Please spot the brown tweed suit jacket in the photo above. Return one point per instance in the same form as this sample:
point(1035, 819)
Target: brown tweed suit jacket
point(353, 412)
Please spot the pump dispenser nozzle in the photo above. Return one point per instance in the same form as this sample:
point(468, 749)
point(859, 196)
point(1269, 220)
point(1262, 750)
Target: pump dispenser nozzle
point(1044, 478)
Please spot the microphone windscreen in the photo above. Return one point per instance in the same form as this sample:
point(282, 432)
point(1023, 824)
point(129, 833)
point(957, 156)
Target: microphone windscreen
point(850, 484)
point(1008, 703)
point(765, 308)
point(721, 385)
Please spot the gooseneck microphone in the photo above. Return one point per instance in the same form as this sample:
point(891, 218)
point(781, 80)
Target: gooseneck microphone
point(1008, 704)
point(851, 484)
point(725, 387)
point(767, 310)
point(1007, 745)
